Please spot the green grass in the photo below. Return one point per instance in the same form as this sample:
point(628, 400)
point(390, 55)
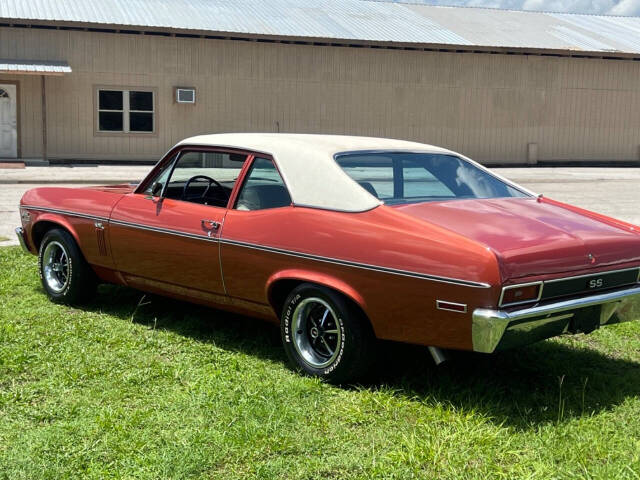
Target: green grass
point(177, 391)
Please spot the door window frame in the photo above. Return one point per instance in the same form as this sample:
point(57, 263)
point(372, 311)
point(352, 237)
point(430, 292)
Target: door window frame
point(174, 155)
point(239, 187)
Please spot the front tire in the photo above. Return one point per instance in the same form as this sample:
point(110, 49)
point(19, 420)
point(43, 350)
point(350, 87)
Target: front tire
point(64, 273)
point(325, 335)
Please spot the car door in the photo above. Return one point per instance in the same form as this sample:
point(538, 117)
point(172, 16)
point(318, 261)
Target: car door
point(254, 227)
point(165, 236)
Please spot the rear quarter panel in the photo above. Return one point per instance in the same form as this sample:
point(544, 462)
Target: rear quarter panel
point(301, 243)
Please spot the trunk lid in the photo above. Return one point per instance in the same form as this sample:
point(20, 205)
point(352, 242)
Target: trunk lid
point(532, 238)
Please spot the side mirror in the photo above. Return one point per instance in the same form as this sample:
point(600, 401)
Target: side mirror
point(156, 190)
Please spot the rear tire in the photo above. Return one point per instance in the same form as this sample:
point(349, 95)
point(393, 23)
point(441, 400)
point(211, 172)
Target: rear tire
point(65, 274)
point(326, 336)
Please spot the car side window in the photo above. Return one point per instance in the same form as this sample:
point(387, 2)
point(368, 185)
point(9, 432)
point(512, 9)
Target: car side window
point(204, 177)
point(161, 176)
point(263, 187)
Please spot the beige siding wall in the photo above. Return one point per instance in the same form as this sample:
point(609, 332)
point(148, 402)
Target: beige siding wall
point(486, 106)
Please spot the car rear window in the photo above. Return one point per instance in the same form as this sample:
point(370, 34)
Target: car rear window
point(400, 177)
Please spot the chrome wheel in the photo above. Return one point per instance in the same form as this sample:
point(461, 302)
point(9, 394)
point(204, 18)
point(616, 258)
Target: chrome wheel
point(317, 332)
point(55, 266)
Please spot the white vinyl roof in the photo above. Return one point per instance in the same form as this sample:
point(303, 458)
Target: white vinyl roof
point(307, 165)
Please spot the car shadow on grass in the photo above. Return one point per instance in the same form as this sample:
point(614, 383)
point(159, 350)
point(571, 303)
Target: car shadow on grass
point(548, 382)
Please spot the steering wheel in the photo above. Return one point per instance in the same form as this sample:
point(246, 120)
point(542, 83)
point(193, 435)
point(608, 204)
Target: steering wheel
point(206, 190)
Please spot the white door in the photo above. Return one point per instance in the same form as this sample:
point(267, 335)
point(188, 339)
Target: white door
point(8, 124)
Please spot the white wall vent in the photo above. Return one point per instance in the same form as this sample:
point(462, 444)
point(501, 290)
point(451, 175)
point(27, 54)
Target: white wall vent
point(185, 95)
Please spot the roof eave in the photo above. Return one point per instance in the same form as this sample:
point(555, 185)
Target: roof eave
point(329, 41)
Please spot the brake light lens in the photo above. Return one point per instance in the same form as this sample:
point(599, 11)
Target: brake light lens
point(517, 294)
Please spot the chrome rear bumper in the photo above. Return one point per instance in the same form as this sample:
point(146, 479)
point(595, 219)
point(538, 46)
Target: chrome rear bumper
point(21, 238)
point(501, 329)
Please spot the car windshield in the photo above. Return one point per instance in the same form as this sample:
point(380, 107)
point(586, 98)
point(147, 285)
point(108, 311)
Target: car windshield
point(400, 177)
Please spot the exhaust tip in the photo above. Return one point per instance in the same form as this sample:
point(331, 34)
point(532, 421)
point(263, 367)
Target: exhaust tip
point(439, 356)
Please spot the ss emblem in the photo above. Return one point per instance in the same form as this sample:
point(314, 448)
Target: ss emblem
point(596, 283)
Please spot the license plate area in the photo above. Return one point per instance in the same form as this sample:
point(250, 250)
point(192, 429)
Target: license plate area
point(585, 320)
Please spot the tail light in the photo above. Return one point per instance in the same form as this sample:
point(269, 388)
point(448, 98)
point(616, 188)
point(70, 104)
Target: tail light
point(518, 294)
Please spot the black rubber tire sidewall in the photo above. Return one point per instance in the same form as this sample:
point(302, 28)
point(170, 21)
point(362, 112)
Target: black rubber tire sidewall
point(355, 356)
point(82, 281)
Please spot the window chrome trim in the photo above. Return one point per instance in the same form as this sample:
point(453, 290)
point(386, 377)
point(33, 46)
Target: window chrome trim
point(515, 186)
point(247, 175)
point(521, 285)
point(314, 207)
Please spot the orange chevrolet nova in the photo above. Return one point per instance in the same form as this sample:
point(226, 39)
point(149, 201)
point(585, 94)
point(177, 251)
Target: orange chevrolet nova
point(342, 241)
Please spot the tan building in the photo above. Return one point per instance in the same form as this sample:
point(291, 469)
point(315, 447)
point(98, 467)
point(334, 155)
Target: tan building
point(536, 88)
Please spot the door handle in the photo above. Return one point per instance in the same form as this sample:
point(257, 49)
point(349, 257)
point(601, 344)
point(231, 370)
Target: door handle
point(210, 224)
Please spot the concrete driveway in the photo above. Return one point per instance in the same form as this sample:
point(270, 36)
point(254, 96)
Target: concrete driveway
point(14, 182)
point(612, 191)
